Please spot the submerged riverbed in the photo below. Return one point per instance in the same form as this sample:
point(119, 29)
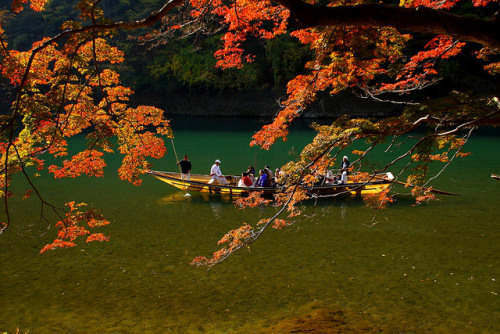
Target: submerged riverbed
point(412, 269)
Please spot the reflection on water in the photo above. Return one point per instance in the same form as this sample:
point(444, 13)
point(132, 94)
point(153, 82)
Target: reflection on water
point(175, 198)
point(432, 268)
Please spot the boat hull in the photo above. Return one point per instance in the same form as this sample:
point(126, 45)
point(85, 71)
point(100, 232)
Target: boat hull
point(200, 183)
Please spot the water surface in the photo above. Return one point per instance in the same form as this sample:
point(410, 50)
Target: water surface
point(430, 268)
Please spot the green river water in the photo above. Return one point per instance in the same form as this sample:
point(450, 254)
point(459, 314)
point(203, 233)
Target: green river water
point(433, 268)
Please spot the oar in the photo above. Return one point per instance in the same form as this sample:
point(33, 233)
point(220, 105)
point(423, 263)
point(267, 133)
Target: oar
point(435, 191)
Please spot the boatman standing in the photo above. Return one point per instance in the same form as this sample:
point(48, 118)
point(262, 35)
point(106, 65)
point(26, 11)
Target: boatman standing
point(216, 174)
point(185, 168)
point(345, 164)
point(344, 169)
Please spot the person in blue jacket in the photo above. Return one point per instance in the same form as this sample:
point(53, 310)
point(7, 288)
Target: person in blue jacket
point(263, 179)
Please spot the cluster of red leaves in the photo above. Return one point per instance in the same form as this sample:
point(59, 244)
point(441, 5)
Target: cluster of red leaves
point(252, 200)
point(419, 71)
point(238, 238)
point(291, 197)
point(359, 177)
point(443, 49)
point(76, 224)
point(234, 239)
point(358, 152)
point(244, 235)
point(28, 193)
point(379, 200)
point(442, 157)
point(485, 54)
point(281, 223)
point(243, 18)
point(446, 145)
point(278, 223)
point(422, 195)
point(37, 5)
point(336, 65)
point(89, 162)
point(435, 4)
point(415, 178)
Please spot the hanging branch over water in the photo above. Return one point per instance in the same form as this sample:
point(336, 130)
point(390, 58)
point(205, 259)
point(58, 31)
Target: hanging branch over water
point(331, 137)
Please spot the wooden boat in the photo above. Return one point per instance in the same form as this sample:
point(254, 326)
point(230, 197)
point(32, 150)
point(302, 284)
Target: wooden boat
point(201, 183)
point(495, 177)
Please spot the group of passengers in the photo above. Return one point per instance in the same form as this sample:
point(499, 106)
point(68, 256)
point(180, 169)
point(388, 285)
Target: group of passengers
point(340, 177)
point(266, 178)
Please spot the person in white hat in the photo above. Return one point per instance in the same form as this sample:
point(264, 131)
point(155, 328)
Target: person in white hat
point(345, 164)
point(344, 169)
point(216, 174)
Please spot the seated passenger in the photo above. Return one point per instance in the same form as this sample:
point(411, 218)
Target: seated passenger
point(250, 174)
point(245, 181)
point(277, 176)
point(216, 174)
point(277, 173)
point(269, 172)
point(263, 179)
point(329, 177)
point(343, 177)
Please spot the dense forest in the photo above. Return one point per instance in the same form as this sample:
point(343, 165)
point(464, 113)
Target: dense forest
point(169, 72)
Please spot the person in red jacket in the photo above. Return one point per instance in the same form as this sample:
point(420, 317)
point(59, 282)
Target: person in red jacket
point(245, 181)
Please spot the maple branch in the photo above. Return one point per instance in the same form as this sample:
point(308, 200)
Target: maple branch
point(39, 195)
point(146, 22)
point(471, 123)
point(374, 97)
point(466, 139)
point(418, 20)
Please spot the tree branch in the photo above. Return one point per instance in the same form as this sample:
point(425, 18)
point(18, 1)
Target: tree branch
point(417, 20)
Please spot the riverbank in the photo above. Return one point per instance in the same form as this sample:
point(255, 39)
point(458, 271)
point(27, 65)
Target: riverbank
point(262, 103)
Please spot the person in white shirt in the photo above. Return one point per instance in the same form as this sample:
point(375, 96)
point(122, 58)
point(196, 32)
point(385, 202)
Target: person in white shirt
point(216, 174)
point(344, 169)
